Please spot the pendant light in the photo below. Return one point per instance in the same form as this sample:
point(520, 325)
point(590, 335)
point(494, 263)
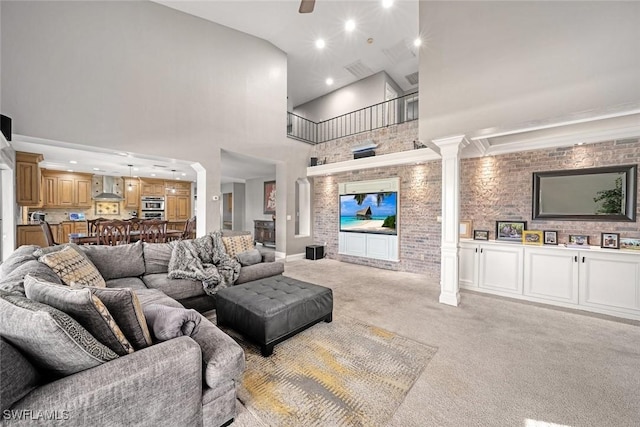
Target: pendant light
point(173, 178)
point(130, 186)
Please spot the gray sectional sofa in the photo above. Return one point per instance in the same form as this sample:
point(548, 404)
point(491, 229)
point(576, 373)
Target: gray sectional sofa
point(183, 381)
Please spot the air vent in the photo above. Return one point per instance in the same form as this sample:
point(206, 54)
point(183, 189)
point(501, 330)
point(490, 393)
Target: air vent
point(359, 70)
point(412, 78)
point(160, 166)
point(399, 52)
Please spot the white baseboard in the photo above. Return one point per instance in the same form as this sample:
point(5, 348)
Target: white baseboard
point(295, 257)
point(281, 255)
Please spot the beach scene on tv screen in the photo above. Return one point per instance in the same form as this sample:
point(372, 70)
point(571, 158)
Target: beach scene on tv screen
point(369, 212)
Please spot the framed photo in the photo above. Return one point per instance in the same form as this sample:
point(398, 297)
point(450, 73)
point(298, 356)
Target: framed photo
point(510, 231)
point(465, 229)
point(579, 239)
point(532, 237)
point(630, 243)
point(610, 240)
point(480, 234)
point(550, 237)
point(269, 197)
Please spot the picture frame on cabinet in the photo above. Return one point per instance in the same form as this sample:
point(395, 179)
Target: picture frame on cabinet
point(550, 237)
point(532, 237)
point(480, 234)
point(630, 243)
point(610, 240)
point(579, 239)
point(510, 231)
point(465, 229)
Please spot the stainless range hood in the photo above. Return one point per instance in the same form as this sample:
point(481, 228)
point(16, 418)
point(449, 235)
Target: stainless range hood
point(110, 188)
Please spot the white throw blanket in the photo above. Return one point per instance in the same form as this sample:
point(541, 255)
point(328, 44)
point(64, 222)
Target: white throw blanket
point(204, 259)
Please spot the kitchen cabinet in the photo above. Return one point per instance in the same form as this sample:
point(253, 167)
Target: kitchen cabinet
point(132, 193)
point(28, 179)
point(68, 227)
point(151, 187)
point(264, 232)
point(177, 208)
point(32, 234)
point(600, 280)
point(177, 188)
point(66, 190)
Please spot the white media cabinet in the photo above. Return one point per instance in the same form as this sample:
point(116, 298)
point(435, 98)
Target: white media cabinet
point(604, 281)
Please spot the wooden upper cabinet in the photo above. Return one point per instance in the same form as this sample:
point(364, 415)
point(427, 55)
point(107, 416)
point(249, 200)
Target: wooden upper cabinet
point(28, 179)
point(151, 187)
point(64, 189)
point(131, 193)
point(178, 188)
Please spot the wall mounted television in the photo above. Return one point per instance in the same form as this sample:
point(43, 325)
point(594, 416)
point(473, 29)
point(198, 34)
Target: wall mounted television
point(369, 213)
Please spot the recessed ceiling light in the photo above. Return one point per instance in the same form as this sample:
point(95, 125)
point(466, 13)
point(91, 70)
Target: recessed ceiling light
point(320, 44)
point(350, 25)
point(184, 174)
point(329, 81)
point(136, 169)
point(153, 174)
point(387, 3)
point(69, 170)
point(96, 169)
point(417, 42)
point(177, 178)
point(73, 162)
point(122, 154)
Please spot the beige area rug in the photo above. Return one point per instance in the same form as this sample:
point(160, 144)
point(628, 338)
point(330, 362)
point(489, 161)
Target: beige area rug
point(343, 373)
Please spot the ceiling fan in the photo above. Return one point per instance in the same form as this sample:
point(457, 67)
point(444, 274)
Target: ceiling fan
point(306, 6)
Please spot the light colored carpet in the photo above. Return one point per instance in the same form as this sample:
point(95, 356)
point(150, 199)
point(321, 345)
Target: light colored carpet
point(344, 373)
point(500, 362)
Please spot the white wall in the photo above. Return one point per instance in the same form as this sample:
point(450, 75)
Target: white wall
point(486, 64)
point(141, 77)
point(363, 93)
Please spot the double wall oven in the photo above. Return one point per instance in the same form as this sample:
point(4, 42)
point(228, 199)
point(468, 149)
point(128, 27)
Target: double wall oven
point(152, 207)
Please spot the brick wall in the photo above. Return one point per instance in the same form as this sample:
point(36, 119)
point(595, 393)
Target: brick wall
point(500, 187)
point(418, 208)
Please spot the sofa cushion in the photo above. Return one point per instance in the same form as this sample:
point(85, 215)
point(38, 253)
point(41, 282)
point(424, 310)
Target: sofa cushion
point(18, 257)
point(234, 245)
point(126, 282)
point(249, 257)
point(72, 267)
point(50, 338)
point(157, 257)
point(83, 306)
point(14, 281)
point(259, 271)
point(17, 375)
point(154, 296)
point(115, 262)
point(175, 288)
point(124, 306)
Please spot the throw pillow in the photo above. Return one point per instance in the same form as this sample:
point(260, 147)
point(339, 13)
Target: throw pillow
point(50, 338)
point(72, 267)
point(116, 262)
point(84, 307)
point(124, 306)
point(249, 257)
point(237, 244)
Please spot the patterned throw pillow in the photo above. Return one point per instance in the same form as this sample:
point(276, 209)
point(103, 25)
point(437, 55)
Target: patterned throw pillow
point(84, 307)
point(235, 245)
point(73, 268)
point(50, 338)
point(124, 306)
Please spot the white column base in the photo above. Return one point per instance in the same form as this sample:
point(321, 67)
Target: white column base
point(450, 298)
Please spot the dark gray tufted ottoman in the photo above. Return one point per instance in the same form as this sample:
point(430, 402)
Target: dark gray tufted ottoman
point(270, 310)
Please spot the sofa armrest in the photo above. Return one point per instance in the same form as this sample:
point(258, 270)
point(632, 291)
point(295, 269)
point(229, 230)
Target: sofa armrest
point(222, 357)
point(159, 385)
point(268, 256)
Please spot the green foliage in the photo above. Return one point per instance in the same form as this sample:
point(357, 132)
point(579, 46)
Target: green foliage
point(359, 198)
point(611, 199)
point(390, 222)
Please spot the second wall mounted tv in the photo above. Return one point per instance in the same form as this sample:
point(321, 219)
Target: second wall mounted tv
point(369, 212)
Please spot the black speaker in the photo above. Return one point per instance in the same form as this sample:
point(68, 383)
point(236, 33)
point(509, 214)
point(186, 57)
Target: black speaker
point(5, 126)
point(315, 252)
point(314, 161)
point(363, 153)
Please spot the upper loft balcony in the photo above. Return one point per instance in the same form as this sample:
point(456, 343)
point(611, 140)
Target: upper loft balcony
point(392, 112)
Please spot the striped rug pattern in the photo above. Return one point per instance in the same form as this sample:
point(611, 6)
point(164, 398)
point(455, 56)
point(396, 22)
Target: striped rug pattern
point(343, 373)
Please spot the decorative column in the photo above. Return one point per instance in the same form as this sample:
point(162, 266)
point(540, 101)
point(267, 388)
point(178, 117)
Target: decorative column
point(450, 149)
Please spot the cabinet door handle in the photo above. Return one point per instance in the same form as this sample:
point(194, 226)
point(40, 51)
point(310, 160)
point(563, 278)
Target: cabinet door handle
point(583, 260)
point(575, 258)
point(481, 250)
point(476, 250)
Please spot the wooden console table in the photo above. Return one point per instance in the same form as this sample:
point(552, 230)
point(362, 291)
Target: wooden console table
point(264, 232)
